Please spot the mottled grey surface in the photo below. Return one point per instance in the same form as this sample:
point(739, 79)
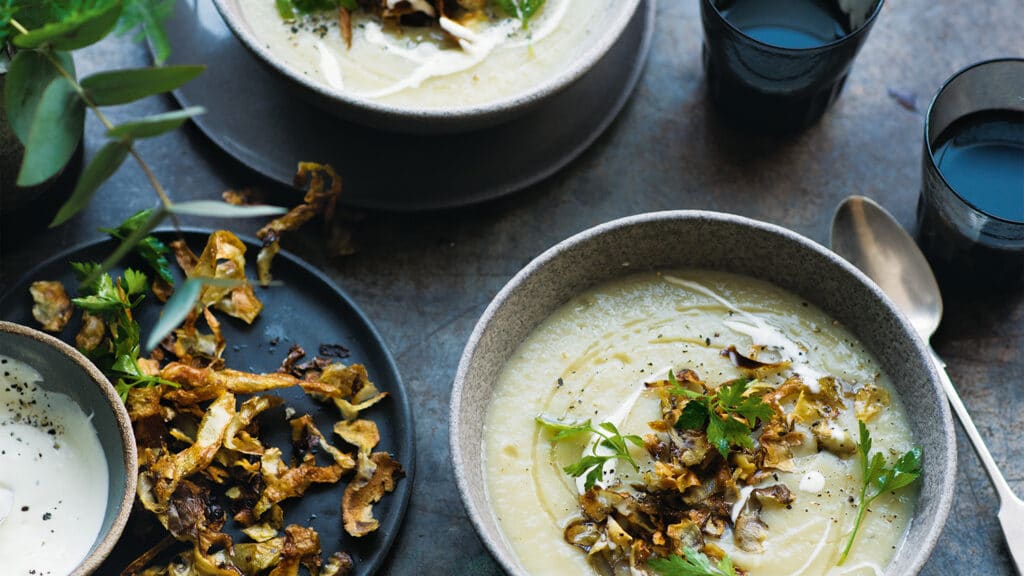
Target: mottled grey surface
point(425, 279)
point(683, 239)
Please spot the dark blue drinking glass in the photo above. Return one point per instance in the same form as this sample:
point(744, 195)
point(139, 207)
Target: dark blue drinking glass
point(777, 65)
point(970, 214)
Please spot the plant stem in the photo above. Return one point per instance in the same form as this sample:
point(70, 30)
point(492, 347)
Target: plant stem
point(160, 192)
point(856, 526)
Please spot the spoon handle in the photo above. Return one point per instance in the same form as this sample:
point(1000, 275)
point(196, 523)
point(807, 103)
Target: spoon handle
point(1011, 508)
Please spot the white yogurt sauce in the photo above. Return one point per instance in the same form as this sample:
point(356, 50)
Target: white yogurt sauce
point(53, 470)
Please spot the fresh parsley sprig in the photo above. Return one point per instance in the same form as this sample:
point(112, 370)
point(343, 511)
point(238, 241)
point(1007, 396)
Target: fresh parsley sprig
point(728, 416)
point(150, 248)
point(692, 563)
point(592, 464)
point(878, 479)
point(118, 355)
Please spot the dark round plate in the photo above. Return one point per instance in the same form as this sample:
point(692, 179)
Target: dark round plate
point(303, 308)
point(256, 117)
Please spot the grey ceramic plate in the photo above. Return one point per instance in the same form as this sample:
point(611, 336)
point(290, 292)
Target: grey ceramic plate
point(305, 309)
point(256, 117)
point(715, 241)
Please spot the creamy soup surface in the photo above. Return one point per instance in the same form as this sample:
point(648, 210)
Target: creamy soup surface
point(423, 67)
point(590, 360)
point(53, 477)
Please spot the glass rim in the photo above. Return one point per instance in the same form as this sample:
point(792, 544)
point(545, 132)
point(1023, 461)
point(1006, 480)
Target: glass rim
point(928, 140)
point(838, 41)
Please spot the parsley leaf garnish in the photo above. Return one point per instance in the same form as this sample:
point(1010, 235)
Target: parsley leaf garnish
point(692, 563)
point(726, 414)
point(522, 10)
point(150, 248)
point(118, 355)
point(878, 479)
point(592, 464)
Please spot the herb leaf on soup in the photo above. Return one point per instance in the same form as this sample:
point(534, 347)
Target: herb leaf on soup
point(692, 563)
point(878, 479)
point(728, 414)
point(592, 465)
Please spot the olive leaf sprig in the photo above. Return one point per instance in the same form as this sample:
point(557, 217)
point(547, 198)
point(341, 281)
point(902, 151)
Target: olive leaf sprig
point(46, 103)
point(878, 479)
point(592, 464)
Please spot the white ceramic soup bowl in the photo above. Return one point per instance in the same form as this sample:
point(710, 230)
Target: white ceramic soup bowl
point(434, 120)
point(712, 241)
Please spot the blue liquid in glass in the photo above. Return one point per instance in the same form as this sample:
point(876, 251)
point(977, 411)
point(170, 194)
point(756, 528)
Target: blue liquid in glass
point(794, 24)
point(981, 156)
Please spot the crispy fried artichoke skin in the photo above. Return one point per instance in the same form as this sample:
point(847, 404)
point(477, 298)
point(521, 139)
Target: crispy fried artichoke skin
point(92, 332)
point(301, 548)
point(361, 494)
point(170, 470)
point(52, 307)
point(283, 482)
point(224, 259)
point(319, 199)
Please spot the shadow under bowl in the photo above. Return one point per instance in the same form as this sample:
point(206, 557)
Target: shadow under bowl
point(67, 371)
point(711, 241)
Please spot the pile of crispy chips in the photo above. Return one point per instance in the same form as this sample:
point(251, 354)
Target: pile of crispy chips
point(199, 441)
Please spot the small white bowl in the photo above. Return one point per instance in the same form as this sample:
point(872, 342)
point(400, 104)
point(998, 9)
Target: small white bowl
point(433, 121)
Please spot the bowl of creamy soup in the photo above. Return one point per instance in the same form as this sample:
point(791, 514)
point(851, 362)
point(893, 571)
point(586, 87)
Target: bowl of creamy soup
point(68, 460)
point(428, 65)
point(692, 392)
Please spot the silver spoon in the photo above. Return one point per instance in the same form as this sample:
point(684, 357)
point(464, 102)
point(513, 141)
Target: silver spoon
point(871, 239)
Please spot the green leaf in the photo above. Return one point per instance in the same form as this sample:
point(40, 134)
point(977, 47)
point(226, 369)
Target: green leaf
point(100, 169)
point(28, 76)
point(76, 30)
point(753, 409)
point(178, 307)
point(717, 436)
point(520, 9)
point(693, 417)
point(215, 209)
point(135, 281)
point(53, 136)
point(148, 16)
point(124, 86)
point(130, 242)
point(285, 9)
point(155, 125)
point(85, 270)
point(150, 248)
point(562, 428)
point(693, 564)
point(585, 464)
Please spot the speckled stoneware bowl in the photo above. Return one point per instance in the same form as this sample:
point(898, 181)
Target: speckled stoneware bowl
point(67, 371)
point(433, 121)
point(708, 240)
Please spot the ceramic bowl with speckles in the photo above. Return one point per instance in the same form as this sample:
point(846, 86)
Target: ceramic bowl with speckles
point(713, 241)
point(66, 371)
point(604, 33)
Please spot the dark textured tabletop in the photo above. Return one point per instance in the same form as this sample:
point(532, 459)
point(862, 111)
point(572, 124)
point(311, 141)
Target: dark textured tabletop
point(425, 278)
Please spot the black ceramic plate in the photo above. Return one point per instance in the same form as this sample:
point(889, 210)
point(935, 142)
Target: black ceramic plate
point(304, 308)
point(256, 117)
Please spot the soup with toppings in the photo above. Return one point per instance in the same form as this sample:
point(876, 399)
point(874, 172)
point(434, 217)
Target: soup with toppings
point(476, 58)
point(774, 489)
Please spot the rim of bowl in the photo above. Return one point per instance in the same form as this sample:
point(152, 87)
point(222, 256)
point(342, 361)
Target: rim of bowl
point(856, 32)
point(930, 149)
point(948, 474)
point(128, 448)
point(577, 68)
